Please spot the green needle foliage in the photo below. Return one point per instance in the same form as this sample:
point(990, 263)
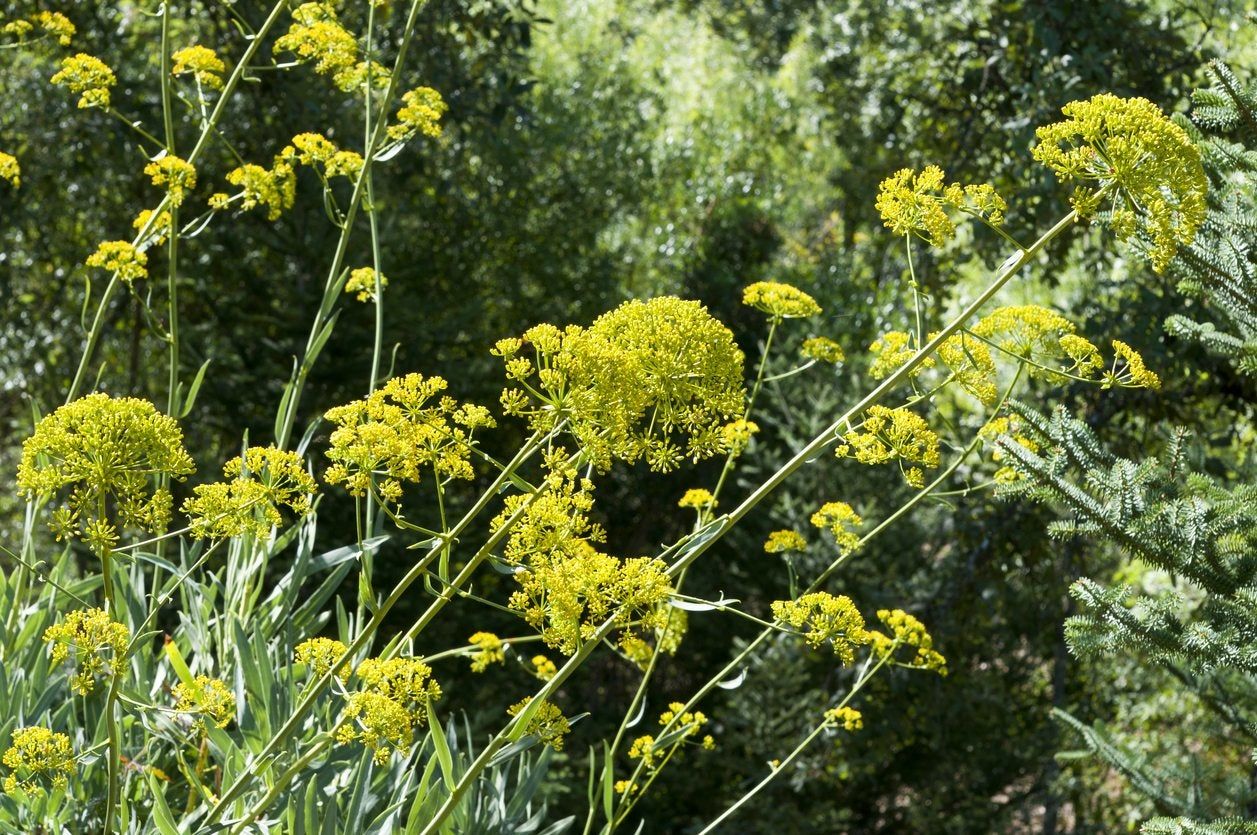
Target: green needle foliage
point(1186, 517)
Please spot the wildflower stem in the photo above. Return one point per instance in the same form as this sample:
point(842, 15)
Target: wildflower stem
point(798, 749)
point(264, 758)
point(288, 414)
point(97, 328)
point(826, 437)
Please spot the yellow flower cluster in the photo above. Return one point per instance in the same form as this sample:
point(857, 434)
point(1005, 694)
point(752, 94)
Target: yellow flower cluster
point(398, 431)
point(489, 650)
point(912, 203)
point(176, 175)
point(420, 114)
point(120, 257)
point(780, 301)
point(317, 35)
point(106, 451)
point(893, 435)
point(205, 67)
point(841, 520)
point(890, 351)
point(53, 25)
point(906, 630)
point(362, 282)
point(548, 723)
point(825, 617)
point(90, 640)
point(971, 365)
point(737, 435)
point(648, 375)
point(392, 700)
point(822, 349)
point(670, 627)
point(567, 595)
point(210, 698)
point(317, 151)
point(1125, 152)
point(848, 718)
point(87, 76)
point(378, 722)
point(1082, 353)
point(10, 170)
point(159, 230)
point(684, 726)
point(274, 188)
point(1024, 330)
point(544, 668)
point(259, 483)
point(698, 499)
point(1132, 373)
point(779, 542)
point(37, 758)
point(320, 654)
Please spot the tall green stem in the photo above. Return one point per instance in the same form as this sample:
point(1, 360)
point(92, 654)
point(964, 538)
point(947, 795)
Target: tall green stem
point(723, 524)
point(98, 322)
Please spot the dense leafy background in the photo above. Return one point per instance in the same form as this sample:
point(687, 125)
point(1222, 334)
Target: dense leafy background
point(604, 149)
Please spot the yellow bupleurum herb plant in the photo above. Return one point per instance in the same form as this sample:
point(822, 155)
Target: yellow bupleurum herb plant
point(238, 715)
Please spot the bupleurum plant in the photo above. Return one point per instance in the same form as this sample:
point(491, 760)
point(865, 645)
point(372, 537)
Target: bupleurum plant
point(214, 679)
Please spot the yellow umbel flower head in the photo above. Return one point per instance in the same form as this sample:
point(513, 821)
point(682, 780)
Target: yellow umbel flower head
point(10, 170)
point(158, 230)
point(319, 654)
point(1125, 154)
point(737, 435)
point(419, 114)
point(825, 617)
point(88, 76)
point(779, 542)
point(698, 499)
point(378, 722)
point(1084, 355)
point(260, 482)
point(848, 718)
point(397, 432)
point(780, 301)
point(317, 35)
point(906, 631)
point(276, 189)
point(971, 365)
point(37, 759)
point(54, 25)
point(1129, 369)
point(362, 282)
point(891, 351)
point(205, 67)
point(822, 349)
point(567, 594)
point(106, 452)
point(893, 435)
point(548, 723)
point(177, 176)
point(57, 26)
point(209, 698)
point(120, 257)
point(543, 668)
point(650, 375)
point(841, 520)
point(915, 204)
point(407, 681)
point(489, 650)
point(92, 642)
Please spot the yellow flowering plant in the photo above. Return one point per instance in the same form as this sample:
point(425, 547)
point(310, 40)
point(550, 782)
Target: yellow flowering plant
point(232, 626)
